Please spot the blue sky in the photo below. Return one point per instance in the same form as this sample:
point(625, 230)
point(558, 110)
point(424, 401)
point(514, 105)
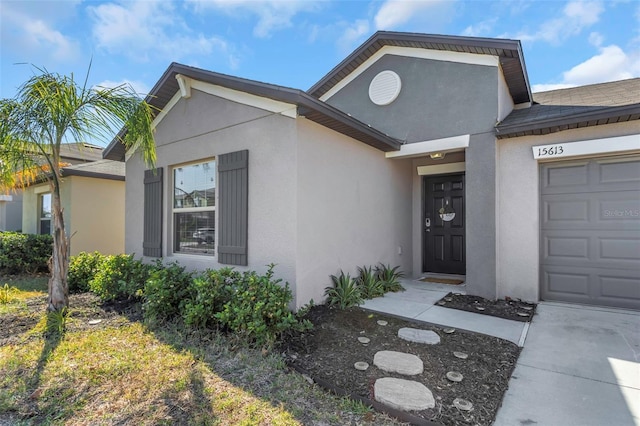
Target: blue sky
point(296, 42)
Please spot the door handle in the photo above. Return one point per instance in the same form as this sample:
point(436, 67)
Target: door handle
point(427, 224)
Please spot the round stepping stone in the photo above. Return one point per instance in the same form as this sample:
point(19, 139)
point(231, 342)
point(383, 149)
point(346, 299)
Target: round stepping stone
point(448, 299)
point(382, 322)
point(449, 330)
point(360, 365)
point(398, 362)
point(461, 355)
point(523, 314)
point(95, 322)
point(405, 395)
point(363, 340)
point(480, 308)
point(462, 404)
point(527, 308)
point(454, 376)
point(442, 303)
point(419, 336)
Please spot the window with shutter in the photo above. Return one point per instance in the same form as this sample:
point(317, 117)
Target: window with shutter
point(152, 234)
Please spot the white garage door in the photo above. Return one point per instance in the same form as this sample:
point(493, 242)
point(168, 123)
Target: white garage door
point(590, 232)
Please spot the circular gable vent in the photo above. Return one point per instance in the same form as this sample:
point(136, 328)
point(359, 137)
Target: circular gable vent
point(384, 88)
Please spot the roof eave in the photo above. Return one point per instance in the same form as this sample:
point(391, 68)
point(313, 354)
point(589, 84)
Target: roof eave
point(382, 38)
point(609, 115)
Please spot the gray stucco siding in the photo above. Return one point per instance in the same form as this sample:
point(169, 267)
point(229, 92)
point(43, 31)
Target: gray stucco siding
point(438, 99)
point(354, 209)
point(206, 126)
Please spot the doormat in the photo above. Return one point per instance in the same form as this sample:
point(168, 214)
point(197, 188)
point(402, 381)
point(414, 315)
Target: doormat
point(442, 281)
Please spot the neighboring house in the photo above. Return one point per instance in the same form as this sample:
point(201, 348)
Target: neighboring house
point(92, 196)
point(11, 204)
point(428, 152)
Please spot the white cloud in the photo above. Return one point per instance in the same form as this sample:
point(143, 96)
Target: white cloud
point(611, 64)
point(273, 15)
point(144, 29)
point(353, 35)
point(576, 16)
point(28, 31)
point(397, 12)
point(139, 87)
point(596, 39)
point(480, 29)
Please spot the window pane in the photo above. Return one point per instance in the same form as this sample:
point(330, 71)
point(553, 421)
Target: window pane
point(195, 185)
point(195, 233)
point(45, 226)
point(45, 205)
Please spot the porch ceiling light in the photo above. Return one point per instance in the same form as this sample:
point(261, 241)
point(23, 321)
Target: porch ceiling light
point(437, 155)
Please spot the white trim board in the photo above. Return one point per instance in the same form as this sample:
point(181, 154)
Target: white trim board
point(438, 169)
point(288, 110)
point(413, 52)
point(619, 144)
point(418, 149)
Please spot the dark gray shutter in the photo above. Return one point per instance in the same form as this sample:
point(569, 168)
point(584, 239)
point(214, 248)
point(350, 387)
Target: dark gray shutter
point(233, 189)
point(152, 244)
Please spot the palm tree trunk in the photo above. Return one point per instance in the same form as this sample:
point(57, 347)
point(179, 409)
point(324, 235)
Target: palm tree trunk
point(58, 287)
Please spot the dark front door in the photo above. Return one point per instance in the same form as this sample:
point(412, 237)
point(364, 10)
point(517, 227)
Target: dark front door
point(443, 224)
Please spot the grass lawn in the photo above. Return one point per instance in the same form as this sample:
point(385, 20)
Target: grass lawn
point(121, 372)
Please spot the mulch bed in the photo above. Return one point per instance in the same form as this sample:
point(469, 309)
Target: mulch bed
point(512, 309)
point(329, 351)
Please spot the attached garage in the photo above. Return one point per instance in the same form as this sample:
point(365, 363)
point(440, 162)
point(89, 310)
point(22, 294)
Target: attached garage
point(590, 231)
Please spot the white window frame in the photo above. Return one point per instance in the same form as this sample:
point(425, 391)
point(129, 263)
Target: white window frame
point(175, 210)
point(41, 218)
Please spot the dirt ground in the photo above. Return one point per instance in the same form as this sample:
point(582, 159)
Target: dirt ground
point(329, 351)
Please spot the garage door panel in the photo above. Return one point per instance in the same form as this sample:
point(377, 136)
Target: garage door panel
point(593, 286)
point(601, 249)
point(589, 176)
point(624, 175)
point(590, 231)
point(567, 283)
point(619, 287)
point(591, 211)
point(622, 249)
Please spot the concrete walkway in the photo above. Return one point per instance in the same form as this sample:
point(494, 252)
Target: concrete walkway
point(580, 365)
point(417, 303)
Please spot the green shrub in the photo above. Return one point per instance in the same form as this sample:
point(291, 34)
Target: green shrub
point(24, 253)
point(208, 295)
point(390, 277)
point(120, 277)
point(165, 292)
point(369, 284)
point(258, 309)
point(344, 293)
point(82, 269)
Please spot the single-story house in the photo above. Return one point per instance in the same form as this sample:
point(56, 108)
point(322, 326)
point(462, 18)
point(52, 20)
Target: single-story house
point(92, 195)
point(11, 203)
point(425, 151)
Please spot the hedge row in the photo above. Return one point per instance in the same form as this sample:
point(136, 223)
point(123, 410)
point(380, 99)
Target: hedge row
point(24, 253)
point(253, 307)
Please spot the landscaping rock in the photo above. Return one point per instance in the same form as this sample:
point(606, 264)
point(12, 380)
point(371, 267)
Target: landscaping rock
point(461, 355)
point(462, 404)
point(449, 330)
point(419, 336)
point(363, 340)
point(382, 322)
point(405, 395)
point(454, 376)
point(398, 362)
point(361, 365)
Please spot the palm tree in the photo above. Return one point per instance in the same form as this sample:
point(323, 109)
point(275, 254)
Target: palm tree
point(48, 110)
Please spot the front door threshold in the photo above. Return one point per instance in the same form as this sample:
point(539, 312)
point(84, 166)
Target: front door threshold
point(451, 282)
